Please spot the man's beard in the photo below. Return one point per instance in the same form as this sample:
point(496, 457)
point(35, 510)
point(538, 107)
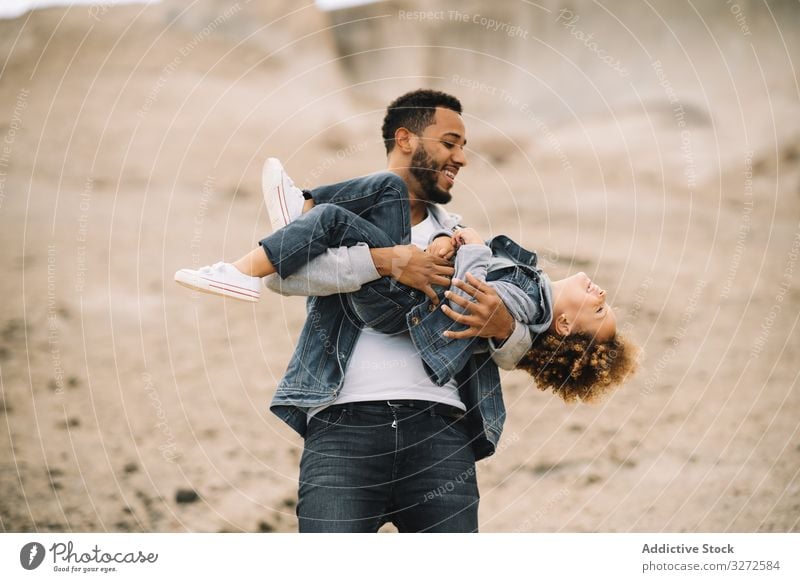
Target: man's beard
point(424, 169)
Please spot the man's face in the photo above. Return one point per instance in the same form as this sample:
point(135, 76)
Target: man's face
point(439, 156)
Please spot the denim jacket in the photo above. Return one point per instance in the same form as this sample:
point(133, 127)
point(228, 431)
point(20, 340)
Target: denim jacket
point(316, 370)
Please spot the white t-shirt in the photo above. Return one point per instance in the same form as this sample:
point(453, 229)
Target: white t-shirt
point(388, 367)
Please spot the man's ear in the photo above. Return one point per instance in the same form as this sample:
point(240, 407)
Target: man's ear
point(405, 140)
point(563, 325)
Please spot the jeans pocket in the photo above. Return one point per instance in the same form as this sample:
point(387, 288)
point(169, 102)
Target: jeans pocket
point(324, 421)
point(453, 426)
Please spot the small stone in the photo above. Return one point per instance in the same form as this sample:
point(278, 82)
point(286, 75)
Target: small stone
point(71, 422)
point(265, 527)
point(186, 496)
point(11, 328)
point(146, 501)
point(545, 468)
point(592, 479)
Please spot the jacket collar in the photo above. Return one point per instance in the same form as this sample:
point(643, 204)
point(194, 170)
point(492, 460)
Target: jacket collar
point(444, 218)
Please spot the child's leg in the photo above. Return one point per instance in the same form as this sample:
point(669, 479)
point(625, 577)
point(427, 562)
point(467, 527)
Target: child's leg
point(381, 198)
point(384, 304)
point(285, 201)
point(296, 244)
point(255, 264)
point(285, 251)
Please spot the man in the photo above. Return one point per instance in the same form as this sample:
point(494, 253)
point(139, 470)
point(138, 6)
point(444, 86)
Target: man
point(382, 441)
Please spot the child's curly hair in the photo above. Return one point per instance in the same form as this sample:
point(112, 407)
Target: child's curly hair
point(577, 367)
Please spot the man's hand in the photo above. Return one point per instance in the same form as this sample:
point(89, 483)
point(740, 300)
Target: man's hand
point(413, 267)
point(486, 315)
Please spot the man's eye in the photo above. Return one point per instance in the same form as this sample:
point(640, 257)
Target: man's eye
point(600, 310)
point(449, 145)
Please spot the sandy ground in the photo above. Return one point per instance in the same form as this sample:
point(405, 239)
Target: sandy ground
point(132, 144)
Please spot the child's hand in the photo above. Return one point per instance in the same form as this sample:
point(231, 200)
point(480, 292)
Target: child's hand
point(468, 236)
point(443, 246)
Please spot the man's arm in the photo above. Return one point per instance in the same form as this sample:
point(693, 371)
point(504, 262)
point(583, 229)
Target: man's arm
point(486, 315)
point(346, 269)
point(339, 270)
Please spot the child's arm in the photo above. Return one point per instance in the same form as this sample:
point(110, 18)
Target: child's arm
point(443, 246)
point(519, 342)
point(473, 257)
point(518, 305)
point(447, 356)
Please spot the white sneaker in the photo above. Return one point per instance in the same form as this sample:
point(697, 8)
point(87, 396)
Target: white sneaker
point(221, 279)
point(284, 200)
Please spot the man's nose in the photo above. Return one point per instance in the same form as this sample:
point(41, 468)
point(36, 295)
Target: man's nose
point(459, 157)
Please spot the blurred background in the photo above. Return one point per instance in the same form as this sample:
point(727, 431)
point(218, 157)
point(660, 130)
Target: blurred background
point(655, 146)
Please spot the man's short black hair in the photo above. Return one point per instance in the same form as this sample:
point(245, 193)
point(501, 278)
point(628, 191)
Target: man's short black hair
point(415, 111)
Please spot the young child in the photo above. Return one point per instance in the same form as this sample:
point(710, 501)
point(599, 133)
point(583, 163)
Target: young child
point(574, 346)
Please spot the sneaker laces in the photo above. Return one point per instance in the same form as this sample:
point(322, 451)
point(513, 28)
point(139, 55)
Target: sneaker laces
point(211, 268)
point(289, 179)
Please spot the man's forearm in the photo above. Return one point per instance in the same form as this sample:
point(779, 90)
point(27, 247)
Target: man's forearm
point(339, 270)
point(382, 260)
point(412, 266)
point(345, 270)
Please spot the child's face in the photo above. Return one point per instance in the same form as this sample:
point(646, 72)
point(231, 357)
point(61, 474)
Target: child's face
point(584, 305)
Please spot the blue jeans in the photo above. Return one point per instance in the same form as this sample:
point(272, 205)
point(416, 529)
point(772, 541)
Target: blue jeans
point(369, 463)
point(374, 211)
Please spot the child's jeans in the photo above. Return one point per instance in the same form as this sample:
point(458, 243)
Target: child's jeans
point(373, 210)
